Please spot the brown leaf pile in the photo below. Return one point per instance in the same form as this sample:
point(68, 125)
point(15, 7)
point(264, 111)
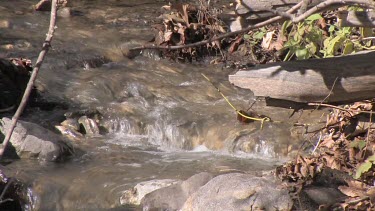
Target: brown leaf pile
point(347, 144)
point(184, 24)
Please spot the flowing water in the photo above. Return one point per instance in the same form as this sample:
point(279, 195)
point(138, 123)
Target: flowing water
point(166, 120)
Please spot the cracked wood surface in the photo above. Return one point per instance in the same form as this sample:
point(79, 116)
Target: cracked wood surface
point(342, 79)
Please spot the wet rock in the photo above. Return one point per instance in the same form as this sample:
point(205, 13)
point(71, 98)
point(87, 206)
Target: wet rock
point(238, 191)
point(81, 124)
point(31, 140)
point(90, 126)
point(87, 63)
point(64, 12)
point(136, 194)
point(70, 133)
point(174, 196)
point(13, 81)
point(323, 191)
point(323, 195)
point(16, 194)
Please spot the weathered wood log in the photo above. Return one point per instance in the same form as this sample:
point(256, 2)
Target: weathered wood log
point(356, 18)
point(338, 79)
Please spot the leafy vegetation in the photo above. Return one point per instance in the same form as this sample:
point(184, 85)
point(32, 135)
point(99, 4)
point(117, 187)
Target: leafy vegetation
point(312, 38)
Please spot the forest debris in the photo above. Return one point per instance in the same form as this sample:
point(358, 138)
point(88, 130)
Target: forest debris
point(340, 149)
point(185, 24)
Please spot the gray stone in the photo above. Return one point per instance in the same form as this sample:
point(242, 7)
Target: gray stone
point(32, 140)
point(238, 191)
point(136, 194)
point(324, 195)
point(173, 197)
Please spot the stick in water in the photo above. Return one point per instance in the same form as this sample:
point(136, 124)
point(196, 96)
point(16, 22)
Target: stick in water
point(30, 84)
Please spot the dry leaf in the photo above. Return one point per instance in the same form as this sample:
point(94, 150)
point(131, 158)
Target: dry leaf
point(352, 192)
point(267, 39)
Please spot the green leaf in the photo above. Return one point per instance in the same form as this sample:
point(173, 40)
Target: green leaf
point(312, 48)
point(302, 54)
point(358, 144)
point(246, 37)
point(331, 28)
point(348, 48)
point(363, 168)
point(314, 17)
point(285, 26)
point(258, 35)
point(371, 158)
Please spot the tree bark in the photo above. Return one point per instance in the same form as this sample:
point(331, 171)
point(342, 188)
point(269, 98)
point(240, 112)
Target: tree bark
point(338, 79)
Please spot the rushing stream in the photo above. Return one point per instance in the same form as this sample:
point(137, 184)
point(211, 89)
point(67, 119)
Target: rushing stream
point(166, 120)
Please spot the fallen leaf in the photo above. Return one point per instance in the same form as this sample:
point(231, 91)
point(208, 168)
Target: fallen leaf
point(363, 168)
point(267, 39)
point(352, 192)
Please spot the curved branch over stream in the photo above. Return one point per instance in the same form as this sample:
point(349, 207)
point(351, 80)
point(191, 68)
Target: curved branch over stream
point(30, 84)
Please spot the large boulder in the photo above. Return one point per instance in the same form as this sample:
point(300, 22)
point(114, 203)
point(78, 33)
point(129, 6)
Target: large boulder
point(32, 140)
point(237, 191)
point(174, 196)
point(136, 194)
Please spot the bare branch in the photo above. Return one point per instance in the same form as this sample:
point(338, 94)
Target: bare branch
point(329, 4)
point(261, 24)
point(30, 85)
point(333, 3)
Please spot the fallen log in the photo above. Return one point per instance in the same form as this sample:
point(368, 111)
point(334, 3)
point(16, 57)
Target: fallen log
point(338, 79)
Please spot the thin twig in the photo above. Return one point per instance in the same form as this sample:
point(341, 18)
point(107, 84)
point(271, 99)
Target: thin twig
point(3, 110)
point(30, 84)
point(318, 143)
point(339, 108)
point(5, 190)
point(334, 3)
point(329, 94)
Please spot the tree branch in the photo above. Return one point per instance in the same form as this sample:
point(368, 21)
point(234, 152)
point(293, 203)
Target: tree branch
point(261, 24)
point(281, 16)
point(334, 3)
point(30, 84)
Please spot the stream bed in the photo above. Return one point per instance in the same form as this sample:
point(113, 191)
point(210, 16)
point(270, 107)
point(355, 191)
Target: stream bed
point(166, 121)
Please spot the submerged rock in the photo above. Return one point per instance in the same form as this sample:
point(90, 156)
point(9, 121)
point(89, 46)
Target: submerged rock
point(234, 191)
point(136, 194)
point(174, 196)
point(15, 195)
point(238, 191)
point(32, 140)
